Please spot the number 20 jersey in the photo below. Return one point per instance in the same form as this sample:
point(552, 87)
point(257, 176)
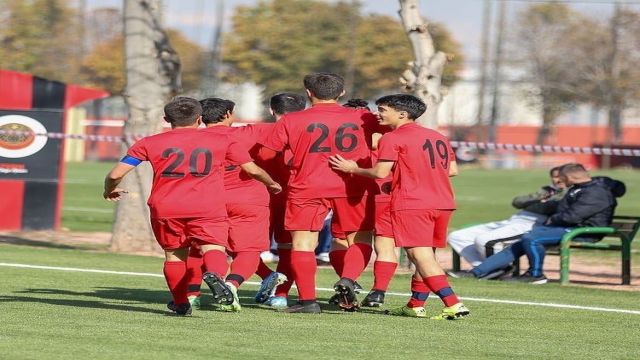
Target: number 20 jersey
point(421, 172)
point(188, 171)
point(315, 134)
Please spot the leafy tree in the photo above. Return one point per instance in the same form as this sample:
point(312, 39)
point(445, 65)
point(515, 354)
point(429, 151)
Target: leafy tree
point(544, 43)
point(104, 66)
point(40, 37)
point(275, 43)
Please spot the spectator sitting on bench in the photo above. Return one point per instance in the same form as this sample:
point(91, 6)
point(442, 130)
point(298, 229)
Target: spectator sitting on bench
point(477, 242)
point(588, 202)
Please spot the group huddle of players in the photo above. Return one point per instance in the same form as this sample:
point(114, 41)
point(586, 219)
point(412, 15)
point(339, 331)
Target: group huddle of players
point(379, 174)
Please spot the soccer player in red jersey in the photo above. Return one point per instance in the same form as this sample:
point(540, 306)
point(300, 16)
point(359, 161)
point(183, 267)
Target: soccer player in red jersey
point(247, 199)
point(187, 203)
point(422, 200)
point(279, 105)
point(313, 135)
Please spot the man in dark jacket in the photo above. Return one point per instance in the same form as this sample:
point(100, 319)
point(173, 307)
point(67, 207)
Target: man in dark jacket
point(589, 202)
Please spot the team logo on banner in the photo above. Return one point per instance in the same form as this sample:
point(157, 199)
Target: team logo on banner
point(21, 142)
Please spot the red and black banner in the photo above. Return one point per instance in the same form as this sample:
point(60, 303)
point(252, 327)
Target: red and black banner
point(32, 167)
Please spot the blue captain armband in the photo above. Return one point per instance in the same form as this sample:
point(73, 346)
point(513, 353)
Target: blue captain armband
point(130, 160)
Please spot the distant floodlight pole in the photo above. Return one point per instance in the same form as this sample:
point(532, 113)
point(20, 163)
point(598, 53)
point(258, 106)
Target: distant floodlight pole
point(495, 106)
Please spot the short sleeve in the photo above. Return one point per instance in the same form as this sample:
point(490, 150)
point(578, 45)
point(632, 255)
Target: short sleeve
point(139, 151)
point(387, 148)
point(278, 138)
point(236, 153)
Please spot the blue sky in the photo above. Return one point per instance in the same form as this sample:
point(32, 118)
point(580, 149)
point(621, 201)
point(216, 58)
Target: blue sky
point(196, 18)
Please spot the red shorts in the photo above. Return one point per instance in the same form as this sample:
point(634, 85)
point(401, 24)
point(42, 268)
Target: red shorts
point(248, 227)
point(350, 214)
point(420, 228)
point(177, 233)
point(383, 219)
point(276, 227)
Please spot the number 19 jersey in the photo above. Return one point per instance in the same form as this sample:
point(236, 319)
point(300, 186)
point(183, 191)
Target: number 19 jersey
point(421, 173)
point(188, 171)
point(315, 134)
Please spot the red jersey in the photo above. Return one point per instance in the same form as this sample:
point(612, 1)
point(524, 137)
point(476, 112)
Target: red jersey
point(240, 187)
point(421, 171)
point(315, 134)
point(188, 171)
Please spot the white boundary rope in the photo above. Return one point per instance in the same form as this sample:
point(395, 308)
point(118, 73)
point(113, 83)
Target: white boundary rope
point(499, 301)
point(455, 144)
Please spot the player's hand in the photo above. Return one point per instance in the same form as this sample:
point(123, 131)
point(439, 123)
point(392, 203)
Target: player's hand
point(339, 163)
point(274, 188)
point(115, 194)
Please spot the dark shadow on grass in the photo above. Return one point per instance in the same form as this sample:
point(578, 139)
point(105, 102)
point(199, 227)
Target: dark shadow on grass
point(15, 240)
point(78, 303)
point(111, 293)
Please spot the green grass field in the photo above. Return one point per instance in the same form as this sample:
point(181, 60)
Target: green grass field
point(55, 314)
point(52, 314)
point(482, 195)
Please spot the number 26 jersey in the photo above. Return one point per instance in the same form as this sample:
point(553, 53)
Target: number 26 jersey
point(188, 172)
point(315, 134)
point(421, 172)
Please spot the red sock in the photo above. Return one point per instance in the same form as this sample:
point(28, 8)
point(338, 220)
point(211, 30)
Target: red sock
point(419, 293)
point(284, 267)
point(244, 264)
point(356, 260)
point(382, 273)
point(440, 286)
point(263, 270)
point(175, 273)
point(336, 258)
point(215, 261)
point(194, 271)
point(304, 268)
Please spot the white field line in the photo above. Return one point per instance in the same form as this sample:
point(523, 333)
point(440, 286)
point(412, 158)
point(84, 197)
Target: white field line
point(499, 301)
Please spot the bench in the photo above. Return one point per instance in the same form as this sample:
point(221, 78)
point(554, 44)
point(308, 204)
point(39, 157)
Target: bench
point(622, 227)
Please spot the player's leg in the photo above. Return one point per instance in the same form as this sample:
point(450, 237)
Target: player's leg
point(304, 218)
point(383, 270)
point(386, 261)
point(415, 306)
point(175, 273)
point(248, 237)
point(212, 236)
point(355, 216)
point(281, 277)
point(170, 234)
point(194, 275)
point(421, 232)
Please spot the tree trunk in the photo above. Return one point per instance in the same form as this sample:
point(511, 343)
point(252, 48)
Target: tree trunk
point(424, 75)
point(153, 75)
point(548, 118)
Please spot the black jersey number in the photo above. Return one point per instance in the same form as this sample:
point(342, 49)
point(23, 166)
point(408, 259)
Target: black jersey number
point(345, 141)
point(193, 162)
point(440, 150)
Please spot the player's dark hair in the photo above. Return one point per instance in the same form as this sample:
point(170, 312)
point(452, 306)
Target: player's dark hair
point(284, 103)
point(572, 168)
point(324, 86)
point(357, 103)
point(182, 111)
point(555, 169)
point(215, 109)
point(404, 102)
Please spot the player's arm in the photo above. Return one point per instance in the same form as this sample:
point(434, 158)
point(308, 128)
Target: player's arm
point(381, 170)
point(453, 169)
point(259, 174)
point(115, 176)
